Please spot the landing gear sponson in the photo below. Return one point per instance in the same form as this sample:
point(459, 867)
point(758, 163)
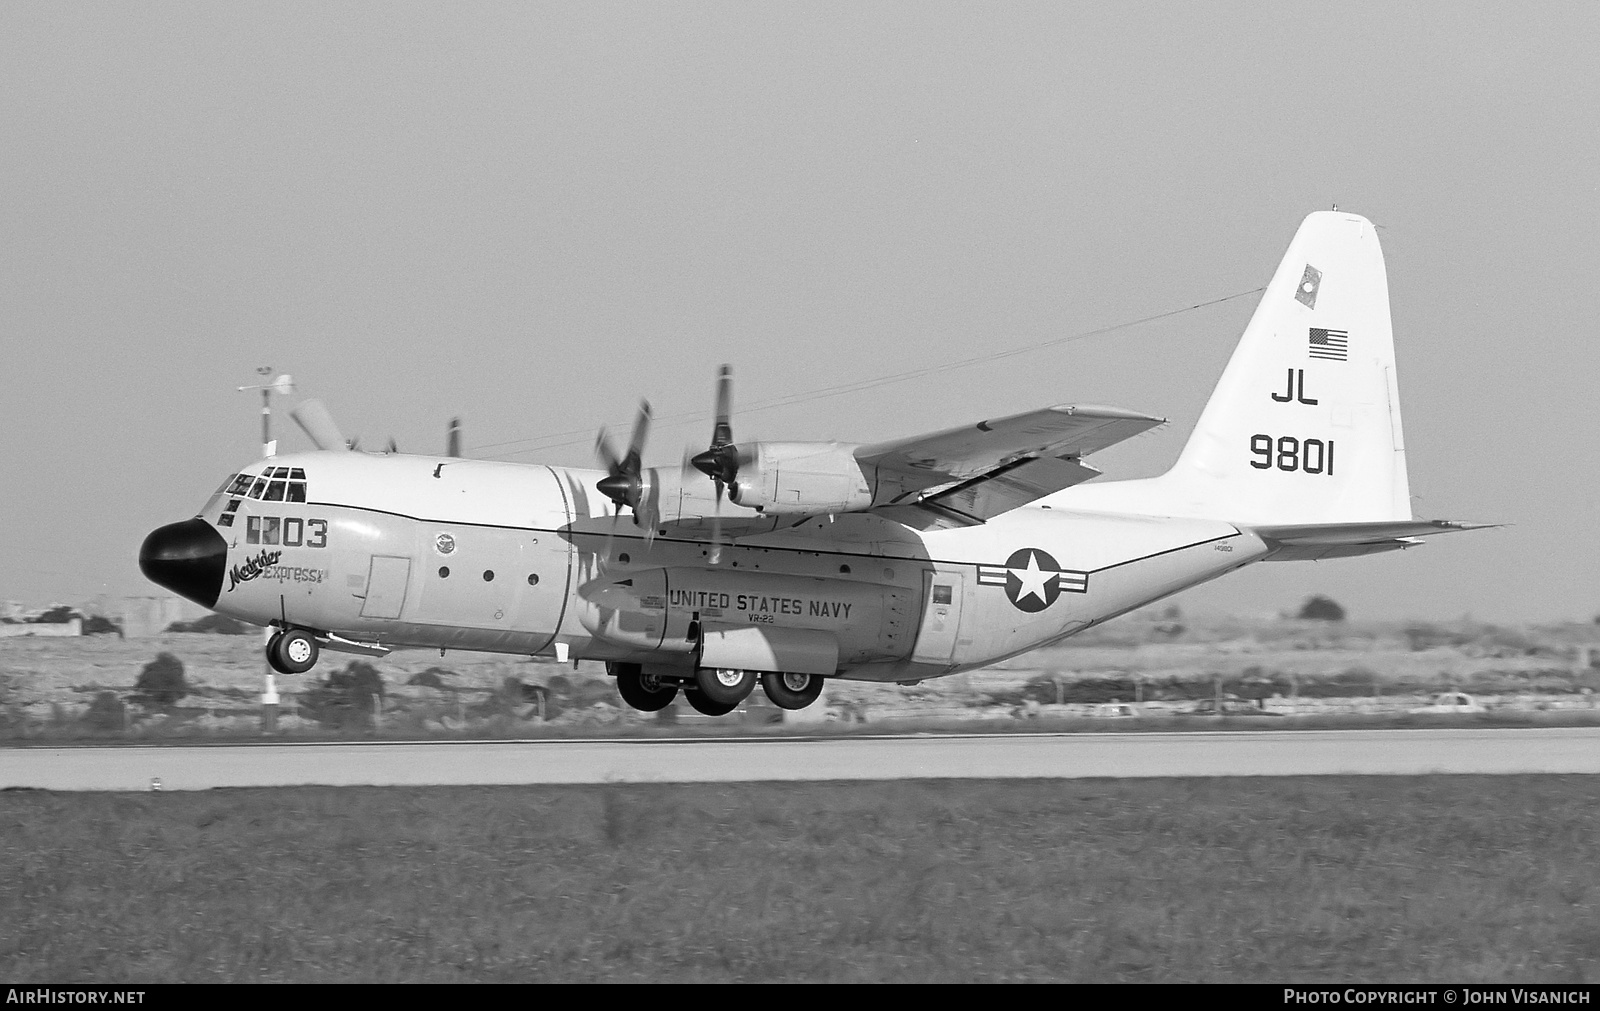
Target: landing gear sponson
point(713, 691)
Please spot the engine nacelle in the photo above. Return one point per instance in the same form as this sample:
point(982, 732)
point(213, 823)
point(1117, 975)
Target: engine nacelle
point(782, 478)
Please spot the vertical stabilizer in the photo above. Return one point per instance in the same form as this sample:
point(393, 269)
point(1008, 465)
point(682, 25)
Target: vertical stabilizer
point(1304, 426)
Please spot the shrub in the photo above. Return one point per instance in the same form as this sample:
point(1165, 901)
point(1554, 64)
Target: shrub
point(211, 624)
point(161, 682)
point(1321, 608)
point(106, 712)
point(100, 625)
point(433, 677)
point(346, 698)
point(57, 616)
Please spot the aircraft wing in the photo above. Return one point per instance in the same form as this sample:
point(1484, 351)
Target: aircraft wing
point(1338, 540)
point(995, 466)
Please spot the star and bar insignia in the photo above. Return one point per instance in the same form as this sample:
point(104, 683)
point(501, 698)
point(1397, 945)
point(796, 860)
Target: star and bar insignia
point(1033, 579)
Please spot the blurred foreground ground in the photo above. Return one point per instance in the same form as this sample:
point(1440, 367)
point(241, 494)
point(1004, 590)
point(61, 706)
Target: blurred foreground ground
point(1156, 663)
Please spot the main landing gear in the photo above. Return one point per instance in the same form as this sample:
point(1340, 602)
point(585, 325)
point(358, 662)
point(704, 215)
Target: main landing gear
point(711, 691)
point(791, 691)
point(293, 651)
point(647, 693)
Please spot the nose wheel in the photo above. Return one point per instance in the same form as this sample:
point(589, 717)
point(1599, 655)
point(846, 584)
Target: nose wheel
point(292, 652)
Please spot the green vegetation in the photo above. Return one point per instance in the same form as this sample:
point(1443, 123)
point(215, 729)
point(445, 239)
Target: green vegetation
point(161, 683)
point(351, 698)
point(1445, 878)
point(1320, 608)
point(212, 624)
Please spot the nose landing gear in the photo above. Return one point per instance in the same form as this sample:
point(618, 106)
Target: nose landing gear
point(293, 651)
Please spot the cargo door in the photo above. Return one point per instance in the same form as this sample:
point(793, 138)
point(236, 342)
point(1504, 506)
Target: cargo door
point(386, 586)
point(942, 593)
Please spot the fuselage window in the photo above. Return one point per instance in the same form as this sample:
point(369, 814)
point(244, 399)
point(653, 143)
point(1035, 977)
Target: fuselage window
point(274, 492)
point(258, 488)
point(241, 484)
point(296, 491)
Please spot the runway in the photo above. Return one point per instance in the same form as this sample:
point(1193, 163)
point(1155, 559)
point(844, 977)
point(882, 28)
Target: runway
point(1406, 752)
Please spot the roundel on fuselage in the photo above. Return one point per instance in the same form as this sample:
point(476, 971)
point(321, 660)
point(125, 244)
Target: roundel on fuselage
point(1031, 579)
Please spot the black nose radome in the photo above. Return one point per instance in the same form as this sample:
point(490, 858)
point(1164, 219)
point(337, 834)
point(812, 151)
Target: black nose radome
point(187, 558)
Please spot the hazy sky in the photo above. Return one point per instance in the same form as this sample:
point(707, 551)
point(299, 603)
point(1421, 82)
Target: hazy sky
point(533, 215)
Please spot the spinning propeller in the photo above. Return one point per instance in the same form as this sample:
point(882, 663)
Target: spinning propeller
point(721, 461)
point(624, 480)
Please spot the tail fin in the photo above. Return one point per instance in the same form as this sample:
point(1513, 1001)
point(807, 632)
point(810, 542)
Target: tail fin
point(1304, 426)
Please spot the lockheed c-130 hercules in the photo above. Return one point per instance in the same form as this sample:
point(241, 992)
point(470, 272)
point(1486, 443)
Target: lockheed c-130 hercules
point(791, 563)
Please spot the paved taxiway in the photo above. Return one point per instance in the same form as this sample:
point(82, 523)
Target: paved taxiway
point(951, 756)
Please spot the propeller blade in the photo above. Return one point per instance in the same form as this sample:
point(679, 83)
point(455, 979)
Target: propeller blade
point(452, 438)
point(720, 461)
point(722, 430)
point(607, 455)
point(641, 431)
point(314, 420)
point(716, 528)
point(393, 446)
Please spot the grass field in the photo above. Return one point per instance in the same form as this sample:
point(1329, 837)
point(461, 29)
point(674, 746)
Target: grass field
point(1443, 878)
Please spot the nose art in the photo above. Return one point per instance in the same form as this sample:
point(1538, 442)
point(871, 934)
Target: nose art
point(187, 558)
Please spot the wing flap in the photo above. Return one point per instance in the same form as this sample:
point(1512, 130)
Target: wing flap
point(1008, 487)
point(960, 454)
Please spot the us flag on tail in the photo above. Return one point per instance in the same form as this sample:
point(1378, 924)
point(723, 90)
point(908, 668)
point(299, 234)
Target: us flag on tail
point(1332, 345)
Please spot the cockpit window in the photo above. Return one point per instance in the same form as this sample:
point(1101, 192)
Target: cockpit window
point(275, 484)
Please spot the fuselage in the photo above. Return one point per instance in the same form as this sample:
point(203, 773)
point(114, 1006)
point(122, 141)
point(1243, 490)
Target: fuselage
point(398, 551)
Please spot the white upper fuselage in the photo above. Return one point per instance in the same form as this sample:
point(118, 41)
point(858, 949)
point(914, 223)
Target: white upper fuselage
point(411, 551)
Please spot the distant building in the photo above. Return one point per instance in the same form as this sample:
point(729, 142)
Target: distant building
point(10, 630)
point(143, 617)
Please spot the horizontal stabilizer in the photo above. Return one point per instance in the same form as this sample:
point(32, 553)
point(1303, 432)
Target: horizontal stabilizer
point(1303, 541)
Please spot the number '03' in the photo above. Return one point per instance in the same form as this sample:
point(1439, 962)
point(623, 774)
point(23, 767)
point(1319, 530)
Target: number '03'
point(1309, 456)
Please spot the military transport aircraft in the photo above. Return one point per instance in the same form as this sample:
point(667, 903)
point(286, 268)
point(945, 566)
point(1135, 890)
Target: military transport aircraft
point(792, 563)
